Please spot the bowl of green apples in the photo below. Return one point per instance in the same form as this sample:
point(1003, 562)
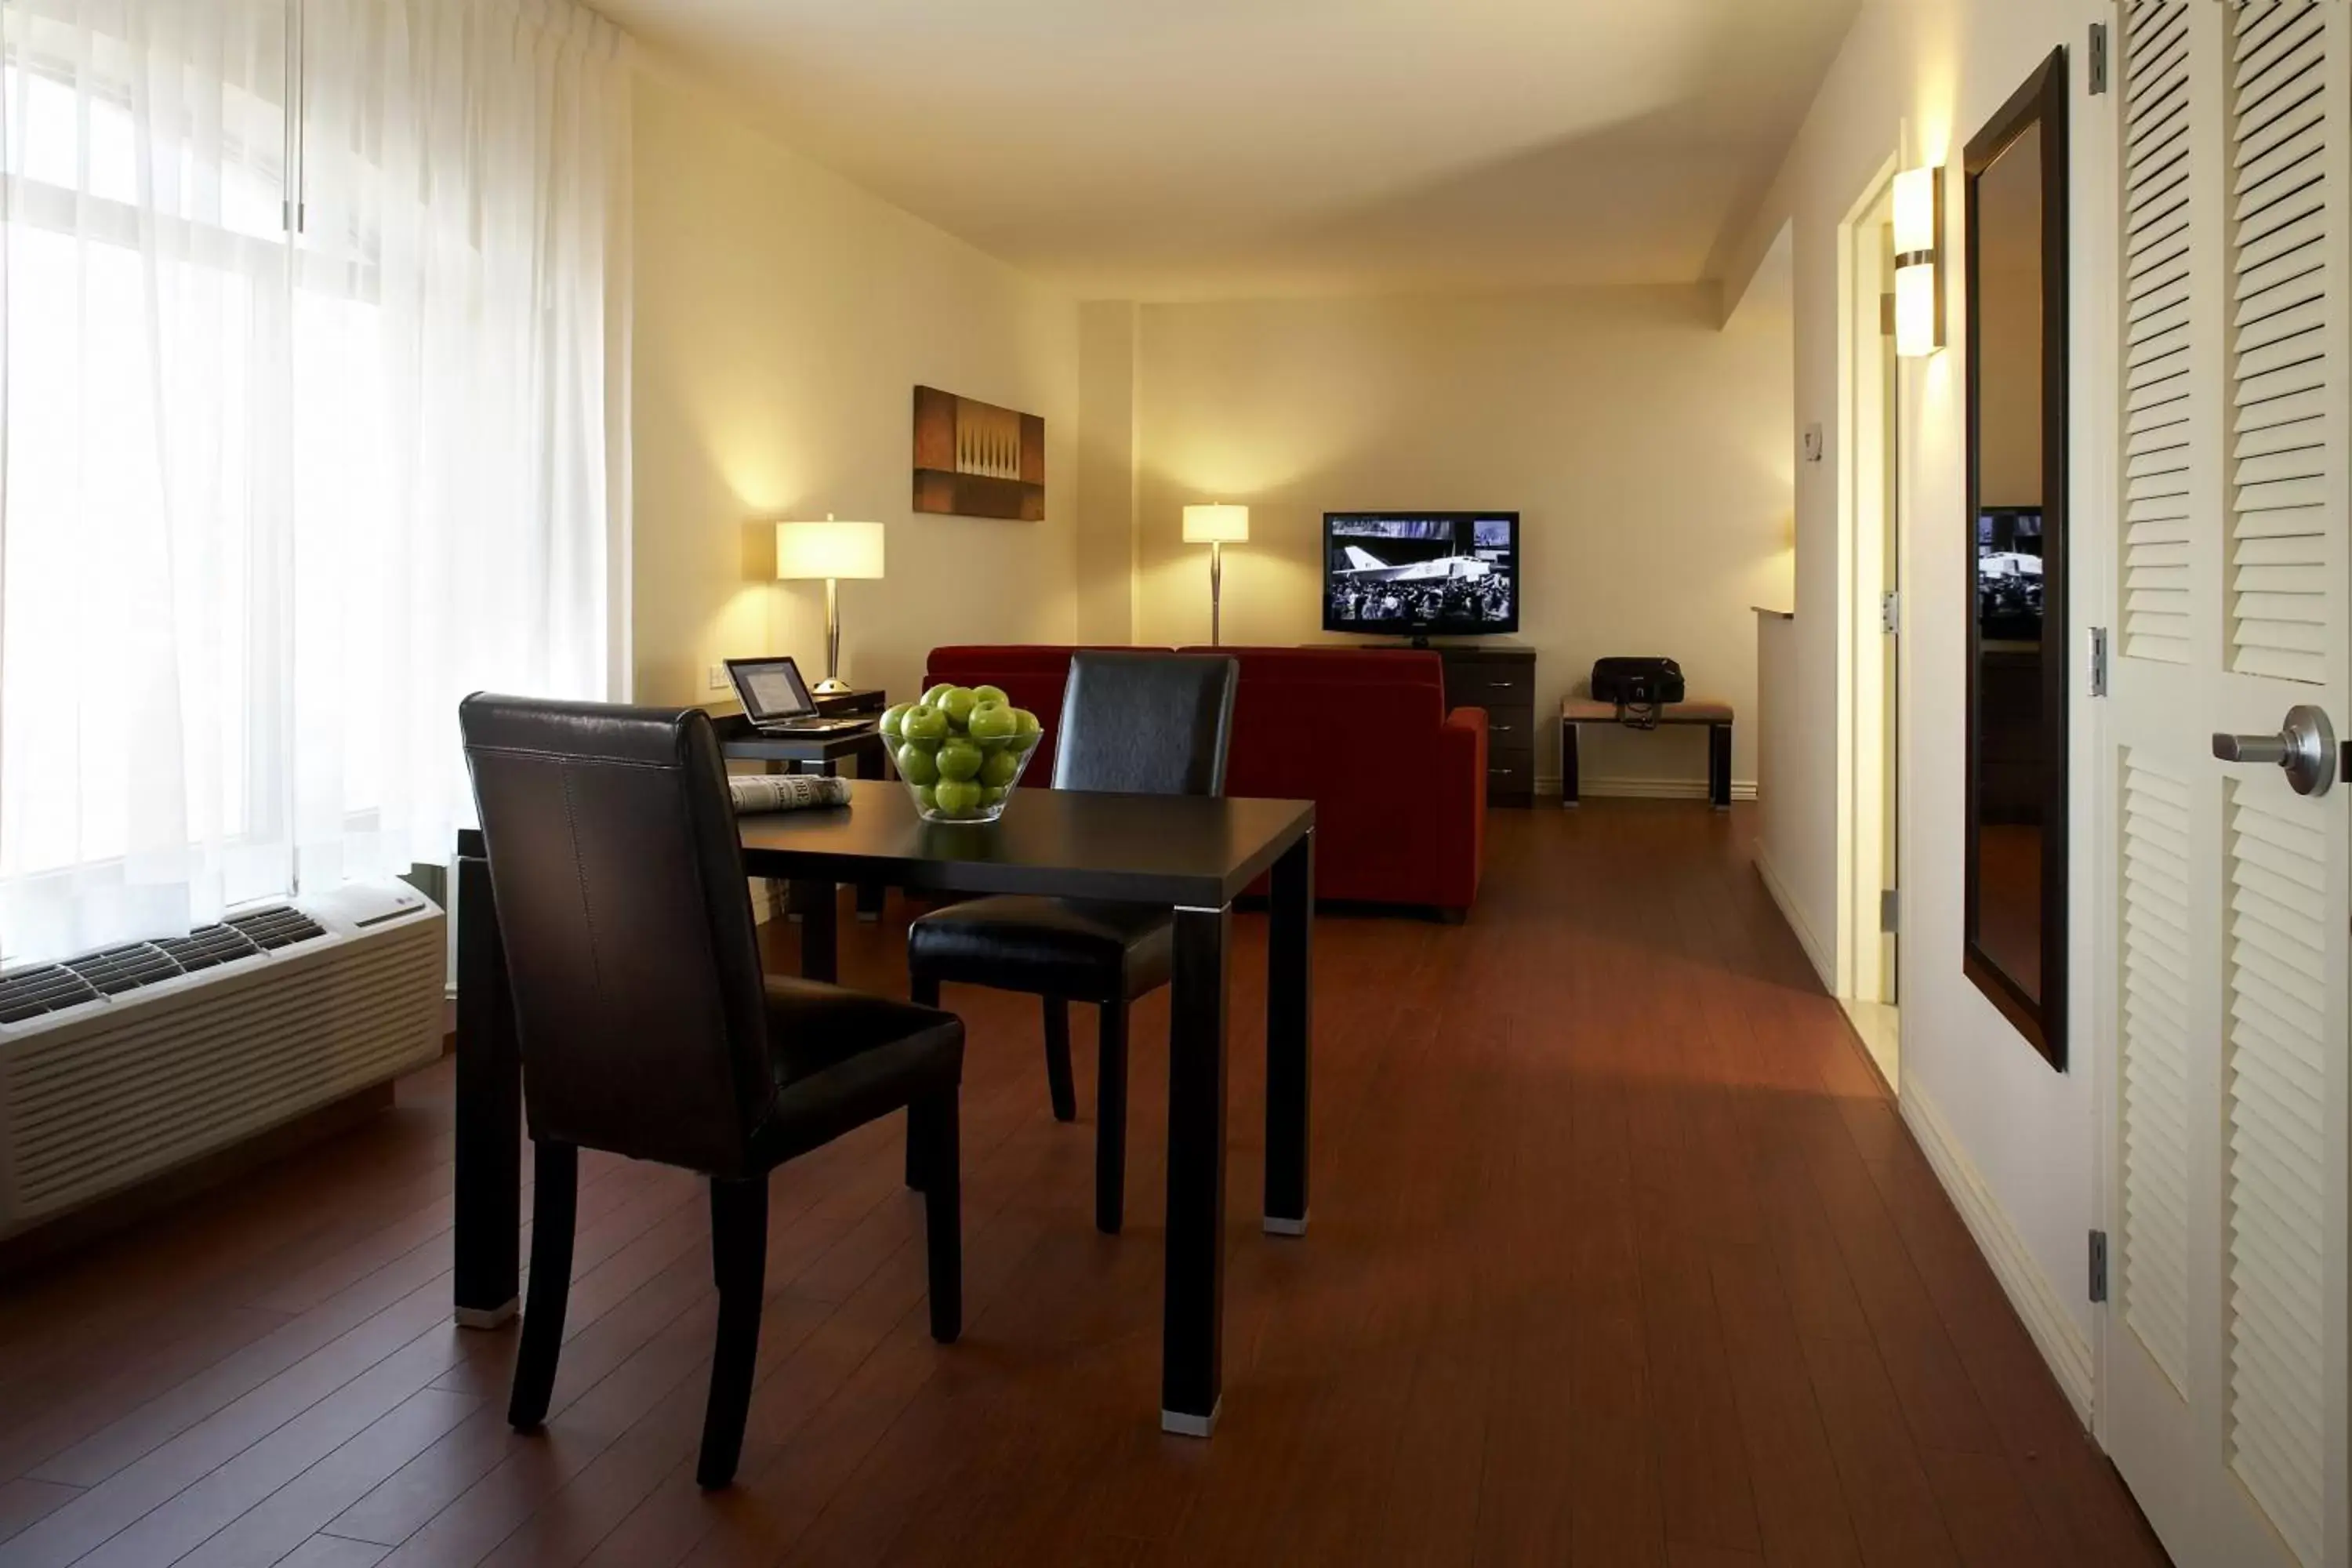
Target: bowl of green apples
point(960, 750)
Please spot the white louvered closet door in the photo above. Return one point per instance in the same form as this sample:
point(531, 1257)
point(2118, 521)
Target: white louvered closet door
point(2224, 1387)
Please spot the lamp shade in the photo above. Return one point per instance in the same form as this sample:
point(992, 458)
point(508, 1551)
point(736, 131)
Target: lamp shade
point(1917, 222)
point(828, 549)
point(1216, 525)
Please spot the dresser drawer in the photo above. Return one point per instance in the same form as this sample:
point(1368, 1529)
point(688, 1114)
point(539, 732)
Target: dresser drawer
point(1510, 780)
point(1511, 733)
point(1490, 683)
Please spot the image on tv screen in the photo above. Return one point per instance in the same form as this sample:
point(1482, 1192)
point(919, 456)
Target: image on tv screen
point(1445, 573)
point(2008, 575)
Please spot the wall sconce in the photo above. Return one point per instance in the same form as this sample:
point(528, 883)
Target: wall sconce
point(1918, 262)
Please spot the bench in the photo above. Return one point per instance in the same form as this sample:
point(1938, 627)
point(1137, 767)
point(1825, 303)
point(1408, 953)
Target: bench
point(1578, 712)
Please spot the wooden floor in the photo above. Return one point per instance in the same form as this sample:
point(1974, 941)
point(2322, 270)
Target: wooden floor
point(1619, 1256)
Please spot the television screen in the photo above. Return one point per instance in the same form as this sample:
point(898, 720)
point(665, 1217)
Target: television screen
point(2008, 574)
point(1450, 572)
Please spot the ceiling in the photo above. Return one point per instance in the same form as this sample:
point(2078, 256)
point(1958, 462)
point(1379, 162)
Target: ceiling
point(1178, 149)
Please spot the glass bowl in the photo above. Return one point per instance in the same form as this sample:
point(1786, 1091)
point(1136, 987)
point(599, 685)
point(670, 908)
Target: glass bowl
point(987, 771)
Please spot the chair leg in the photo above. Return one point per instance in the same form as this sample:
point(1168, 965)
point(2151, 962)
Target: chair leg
point(739, 1262)
point(1110, 1121)
point(554, 1208)
point(925, 993)
point(1057, 1060)
point(932, 1121)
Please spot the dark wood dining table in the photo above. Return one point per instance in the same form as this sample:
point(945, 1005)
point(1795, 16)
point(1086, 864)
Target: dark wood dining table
point(1193, 855)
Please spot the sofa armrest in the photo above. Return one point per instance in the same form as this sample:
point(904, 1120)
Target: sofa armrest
point(1461, 792)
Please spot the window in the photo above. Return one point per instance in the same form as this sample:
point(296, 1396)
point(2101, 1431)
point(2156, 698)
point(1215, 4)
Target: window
point(305, 435)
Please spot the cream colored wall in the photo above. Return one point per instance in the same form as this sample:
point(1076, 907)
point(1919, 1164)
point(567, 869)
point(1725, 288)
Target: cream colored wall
point(1646, 449)
point(782, 319)
point(2018, 1141)
point(1105, 510)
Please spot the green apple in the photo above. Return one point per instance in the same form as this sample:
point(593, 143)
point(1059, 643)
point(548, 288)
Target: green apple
point(957, 705)
point(931, 699)
point(926, 797)
point(998, 770)
point(958, 797)
point(1025, 722)
point(923, 722)
point(991, 796)
point(991, 721)
point(892, 718)
point(958, 759)
point(916, 766)
point(985, 694)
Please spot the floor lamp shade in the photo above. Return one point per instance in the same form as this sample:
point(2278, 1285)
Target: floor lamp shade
point(1216, 527)
point(830, 550)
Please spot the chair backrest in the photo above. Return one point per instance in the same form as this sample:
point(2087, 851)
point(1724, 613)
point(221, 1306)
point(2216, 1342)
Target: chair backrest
point(630, 946)
point(1146, 723)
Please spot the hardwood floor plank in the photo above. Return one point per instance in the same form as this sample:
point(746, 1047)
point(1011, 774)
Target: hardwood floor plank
point(24, 1502)
point(1619, 1254)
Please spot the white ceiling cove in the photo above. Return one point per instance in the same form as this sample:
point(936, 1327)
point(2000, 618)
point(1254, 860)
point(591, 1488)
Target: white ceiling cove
point(1176, 149)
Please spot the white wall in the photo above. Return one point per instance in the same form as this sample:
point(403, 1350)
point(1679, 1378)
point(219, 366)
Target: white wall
point(782, 319)
point(1646, 448)
point(1919, 77)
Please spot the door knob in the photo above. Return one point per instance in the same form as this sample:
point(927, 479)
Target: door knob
point(2306, 750)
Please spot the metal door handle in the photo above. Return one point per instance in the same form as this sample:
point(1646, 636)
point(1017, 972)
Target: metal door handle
point(2305, 749)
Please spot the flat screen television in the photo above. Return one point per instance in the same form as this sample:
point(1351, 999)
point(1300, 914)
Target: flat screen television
point(1420, 574)
point(2008, 574)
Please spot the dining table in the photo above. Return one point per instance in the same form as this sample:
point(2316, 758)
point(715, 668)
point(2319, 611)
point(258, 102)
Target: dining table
point(1196, 856)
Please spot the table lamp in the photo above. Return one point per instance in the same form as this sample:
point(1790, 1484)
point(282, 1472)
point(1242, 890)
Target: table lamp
point(1216, 527)
point(832, 551)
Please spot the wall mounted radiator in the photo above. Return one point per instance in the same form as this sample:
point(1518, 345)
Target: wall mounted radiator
point(120, 1064)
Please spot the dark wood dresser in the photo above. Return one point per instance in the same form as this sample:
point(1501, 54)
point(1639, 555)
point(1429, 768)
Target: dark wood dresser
point(1500, 679)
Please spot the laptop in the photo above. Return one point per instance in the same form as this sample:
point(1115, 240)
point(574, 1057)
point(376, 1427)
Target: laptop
point(777, 701)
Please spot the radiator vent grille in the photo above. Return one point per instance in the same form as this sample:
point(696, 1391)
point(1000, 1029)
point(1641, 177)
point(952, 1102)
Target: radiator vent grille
point(109, 972)
point(45, 988)
point(109, 1099)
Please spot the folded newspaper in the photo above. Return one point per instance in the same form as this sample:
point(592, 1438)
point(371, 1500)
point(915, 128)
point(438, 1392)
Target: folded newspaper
point(787, 792)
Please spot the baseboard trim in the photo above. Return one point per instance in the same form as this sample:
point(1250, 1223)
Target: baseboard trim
point(2063, 1345)
point(1791, 912)
point(1589, 788)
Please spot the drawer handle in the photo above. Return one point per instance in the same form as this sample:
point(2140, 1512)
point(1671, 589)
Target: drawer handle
point(1500, 728)
point(1502, 685)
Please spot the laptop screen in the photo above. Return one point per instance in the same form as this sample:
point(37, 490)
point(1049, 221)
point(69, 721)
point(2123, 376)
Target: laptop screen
point(770, 689)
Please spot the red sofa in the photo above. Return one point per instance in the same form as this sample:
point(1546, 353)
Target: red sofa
point(1399, 784)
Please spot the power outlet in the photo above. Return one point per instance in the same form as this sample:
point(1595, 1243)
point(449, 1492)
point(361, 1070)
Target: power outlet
point(718, 681)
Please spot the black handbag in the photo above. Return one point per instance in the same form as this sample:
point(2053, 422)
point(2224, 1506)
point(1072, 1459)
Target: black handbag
point(1638, 686)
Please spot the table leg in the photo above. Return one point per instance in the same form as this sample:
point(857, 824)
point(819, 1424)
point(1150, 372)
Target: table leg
point(1192, 1325)
point(1289, 1037)
point(867, 763)
point(816, 902)
point(1568, 784)
point(1718, 766)
point(487, 1182)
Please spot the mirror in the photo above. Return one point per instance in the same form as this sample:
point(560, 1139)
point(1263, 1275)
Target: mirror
point(2015, 945)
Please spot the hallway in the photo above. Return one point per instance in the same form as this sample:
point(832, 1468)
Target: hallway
point(1619, 1256)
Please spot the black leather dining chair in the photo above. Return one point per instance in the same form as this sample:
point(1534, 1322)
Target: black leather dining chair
point(1132, 723)
point(647, 1029)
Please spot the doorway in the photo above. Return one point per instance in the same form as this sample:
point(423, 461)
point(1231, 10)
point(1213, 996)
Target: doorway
point(1871, 622)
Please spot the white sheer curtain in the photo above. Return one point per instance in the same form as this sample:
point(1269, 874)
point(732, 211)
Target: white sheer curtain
point(312, 423)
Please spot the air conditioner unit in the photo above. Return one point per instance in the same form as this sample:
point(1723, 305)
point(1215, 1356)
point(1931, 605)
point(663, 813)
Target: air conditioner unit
point(121, 1064)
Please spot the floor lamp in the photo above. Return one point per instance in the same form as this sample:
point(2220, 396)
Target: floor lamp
point(1216, 527)
point(832, 551)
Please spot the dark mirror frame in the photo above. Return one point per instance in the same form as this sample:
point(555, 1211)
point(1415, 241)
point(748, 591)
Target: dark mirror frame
point(2040, 103)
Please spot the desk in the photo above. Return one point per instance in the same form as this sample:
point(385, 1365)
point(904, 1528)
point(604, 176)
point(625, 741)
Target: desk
point(741, 742)
point(1193, 855)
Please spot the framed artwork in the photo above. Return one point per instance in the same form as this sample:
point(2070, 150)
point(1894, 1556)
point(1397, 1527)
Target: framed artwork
point(976, 460)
